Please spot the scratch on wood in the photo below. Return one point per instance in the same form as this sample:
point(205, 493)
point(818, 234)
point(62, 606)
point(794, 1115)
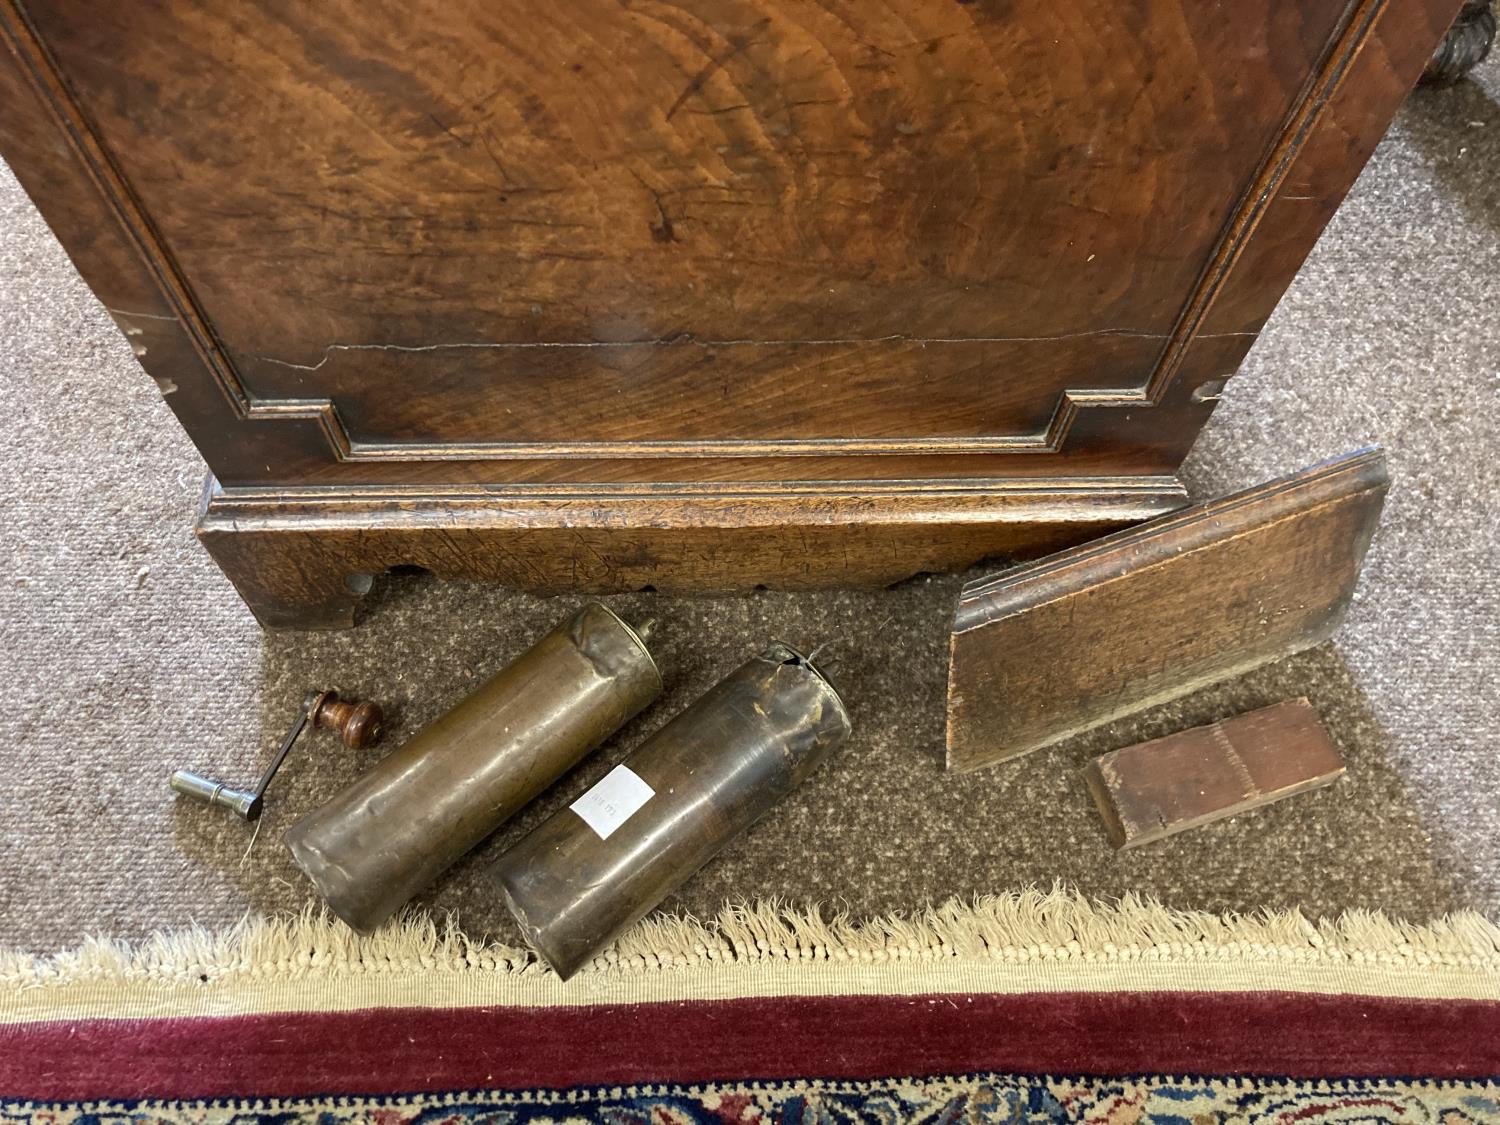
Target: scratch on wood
point(713, 66)
point(1232, 757)
point(138, 315)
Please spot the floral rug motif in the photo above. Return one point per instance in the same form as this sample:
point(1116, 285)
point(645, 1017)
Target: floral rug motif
point(978, 1099)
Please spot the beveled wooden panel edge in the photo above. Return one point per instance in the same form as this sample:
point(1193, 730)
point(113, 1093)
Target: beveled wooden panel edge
point(1042, 442)
point(1356, 28)
point(32, 57)
point(305, 558)
point(1308, 114)
point(1368, 88)
point(56, 154)
point(1334, 479)
point(1105, 485)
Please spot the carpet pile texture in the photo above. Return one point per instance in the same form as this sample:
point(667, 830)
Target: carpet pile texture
point(1028, 1006)
point(124, 654)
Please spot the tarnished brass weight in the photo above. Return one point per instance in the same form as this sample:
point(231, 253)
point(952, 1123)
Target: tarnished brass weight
point(603, 863)
point(392, 832)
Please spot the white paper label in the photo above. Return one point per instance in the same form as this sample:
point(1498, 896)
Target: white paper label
point(612, 800)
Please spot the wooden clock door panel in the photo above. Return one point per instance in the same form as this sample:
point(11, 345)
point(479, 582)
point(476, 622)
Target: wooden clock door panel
point(641, 244)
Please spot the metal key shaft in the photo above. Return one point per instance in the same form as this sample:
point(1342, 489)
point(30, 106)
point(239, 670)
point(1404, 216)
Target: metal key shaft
point(359, 725)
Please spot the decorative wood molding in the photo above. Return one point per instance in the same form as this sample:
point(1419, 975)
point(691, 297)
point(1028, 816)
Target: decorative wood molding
point(109, 183)
point(989, 490)
point(305, 557)
point(1357, 25)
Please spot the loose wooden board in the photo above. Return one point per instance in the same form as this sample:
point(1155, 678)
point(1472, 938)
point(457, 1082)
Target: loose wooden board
point(1156, 789)
point(1061, 645)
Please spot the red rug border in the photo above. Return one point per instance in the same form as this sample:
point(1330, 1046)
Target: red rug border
point(392, 1051)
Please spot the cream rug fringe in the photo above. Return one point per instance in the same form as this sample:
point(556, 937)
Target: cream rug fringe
point(1052, 928)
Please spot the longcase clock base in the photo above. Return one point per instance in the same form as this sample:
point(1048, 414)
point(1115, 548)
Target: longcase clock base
point(303, 558)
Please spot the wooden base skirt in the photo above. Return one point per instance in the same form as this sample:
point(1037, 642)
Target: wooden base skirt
point(303, 558)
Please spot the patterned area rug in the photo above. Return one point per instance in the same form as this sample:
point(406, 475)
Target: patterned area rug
point(1029, 1007)
point(972, 1098)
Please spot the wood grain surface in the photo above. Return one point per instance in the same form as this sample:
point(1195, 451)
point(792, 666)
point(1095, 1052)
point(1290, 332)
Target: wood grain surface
point(689, 222)
point(1156, 789)
point(306, 559)
point(1051, 648)
point(731, 239)
point(641, 242)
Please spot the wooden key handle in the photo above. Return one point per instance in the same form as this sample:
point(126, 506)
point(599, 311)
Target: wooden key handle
point(358, 724)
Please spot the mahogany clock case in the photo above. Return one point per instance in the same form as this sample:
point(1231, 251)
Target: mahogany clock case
point(695, 295)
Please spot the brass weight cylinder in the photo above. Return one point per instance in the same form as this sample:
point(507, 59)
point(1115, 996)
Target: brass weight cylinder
point(392, 832)
point(600, 865)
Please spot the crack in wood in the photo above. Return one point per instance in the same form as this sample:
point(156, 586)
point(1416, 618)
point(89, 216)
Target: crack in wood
point(684, 339)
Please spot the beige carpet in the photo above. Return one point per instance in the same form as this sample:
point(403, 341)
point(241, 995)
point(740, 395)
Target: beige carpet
point(124, 654)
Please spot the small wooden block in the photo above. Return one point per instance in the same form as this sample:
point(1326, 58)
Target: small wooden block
point(1046, 650)
point(1159, 788)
